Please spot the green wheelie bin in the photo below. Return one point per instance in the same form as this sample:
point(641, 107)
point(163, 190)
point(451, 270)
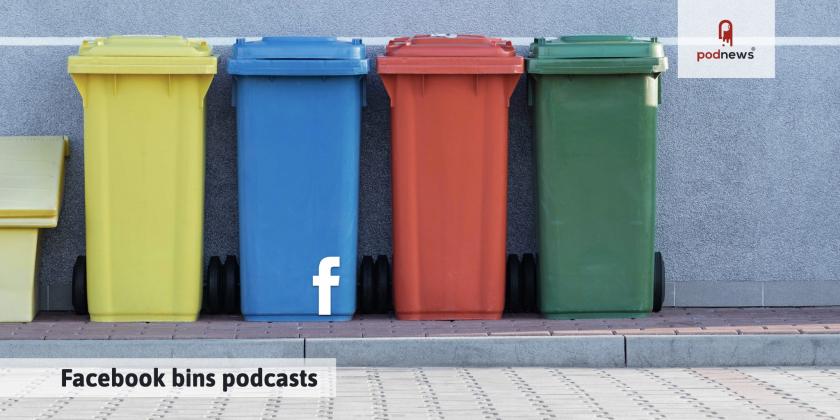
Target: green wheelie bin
point(595, 101)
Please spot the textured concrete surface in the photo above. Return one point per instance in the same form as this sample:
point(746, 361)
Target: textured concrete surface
point(498, 393)
point(380, 17)
point(289, 348)
point(630, 350)
point(603, 351)
point(748, 169)
point(672, 338)
point(804, 294)
point(723, 321)
point(718, 293)
point(741, 350)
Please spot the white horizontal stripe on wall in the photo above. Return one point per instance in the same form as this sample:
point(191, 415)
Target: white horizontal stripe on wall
point(47, 41)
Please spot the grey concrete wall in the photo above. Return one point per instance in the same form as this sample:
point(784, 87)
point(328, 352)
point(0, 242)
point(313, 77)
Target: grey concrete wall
point(749, 170)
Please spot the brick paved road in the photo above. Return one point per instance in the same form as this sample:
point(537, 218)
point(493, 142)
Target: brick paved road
point(671, 321)
point(795, 393)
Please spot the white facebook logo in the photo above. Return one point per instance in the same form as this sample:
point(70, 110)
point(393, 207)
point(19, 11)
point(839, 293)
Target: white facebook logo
point(325, 281)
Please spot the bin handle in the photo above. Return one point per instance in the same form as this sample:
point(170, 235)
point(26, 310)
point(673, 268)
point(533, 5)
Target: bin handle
point(659, 88)
point(233, 92)
point(364, 91)
point(81, 85)
point(530, 88)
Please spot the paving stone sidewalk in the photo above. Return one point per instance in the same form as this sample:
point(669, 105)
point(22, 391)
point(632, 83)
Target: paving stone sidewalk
point(671, 321)
point(499, 393)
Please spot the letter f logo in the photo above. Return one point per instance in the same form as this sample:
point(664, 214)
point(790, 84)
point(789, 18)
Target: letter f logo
point(324, 281)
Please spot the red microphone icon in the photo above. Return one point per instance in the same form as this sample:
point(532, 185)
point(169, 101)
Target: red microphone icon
point(725, 31)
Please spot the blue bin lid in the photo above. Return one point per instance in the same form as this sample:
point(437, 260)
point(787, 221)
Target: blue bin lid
point(298, 56)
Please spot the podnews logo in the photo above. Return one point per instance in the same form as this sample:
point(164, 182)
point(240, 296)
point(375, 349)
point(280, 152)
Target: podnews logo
point(723, 39)
point(726, 34)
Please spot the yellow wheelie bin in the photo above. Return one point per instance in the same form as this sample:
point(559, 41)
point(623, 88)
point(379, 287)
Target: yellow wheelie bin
point(31, 180)
point(143, 99)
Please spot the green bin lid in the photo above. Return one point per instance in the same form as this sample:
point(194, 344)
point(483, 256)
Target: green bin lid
point(596, 54)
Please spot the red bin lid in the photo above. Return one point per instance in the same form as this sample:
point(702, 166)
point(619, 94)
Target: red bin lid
point(449, 54)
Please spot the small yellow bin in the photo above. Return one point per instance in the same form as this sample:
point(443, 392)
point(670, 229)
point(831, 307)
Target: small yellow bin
point(143, 99)
point(31, 180)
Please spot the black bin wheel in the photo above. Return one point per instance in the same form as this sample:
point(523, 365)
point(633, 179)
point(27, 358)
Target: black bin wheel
point(658, 282)
point(528, 277)
point(213, 286)
point(367, 290)
point(79, 287)
point(513, 298)
point(383, 286)
point(231, 285)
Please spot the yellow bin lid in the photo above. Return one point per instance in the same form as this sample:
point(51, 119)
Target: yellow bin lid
point(143, 54)
point(31, 176)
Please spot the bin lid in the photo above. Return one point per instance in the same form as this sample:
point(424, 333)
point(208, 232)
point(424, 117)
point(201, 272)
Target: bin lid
point(298, 56)
point(144, 54)
point(31, 175)
point(596, 54)
point(449, 54)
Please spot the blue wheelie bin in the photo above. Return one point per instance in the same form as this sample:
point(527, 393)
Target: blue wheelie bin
point(298, 111)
